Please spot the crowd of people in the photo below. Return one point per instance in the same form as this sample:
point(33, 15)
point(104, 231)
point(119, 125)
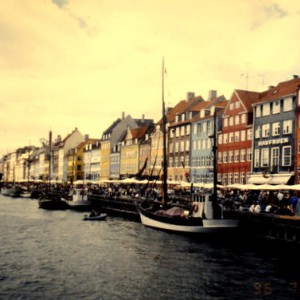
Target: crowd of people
point(278, 202)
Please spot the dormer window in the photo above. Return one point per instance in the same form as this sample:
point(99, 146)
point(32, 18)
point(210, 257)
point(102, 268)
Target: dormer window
point(176, 118)
point(202, 113)
point(183, 117)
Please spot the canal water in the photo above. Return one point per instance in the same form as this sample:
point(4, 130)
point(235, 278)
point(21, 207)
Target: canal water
point(56, 255)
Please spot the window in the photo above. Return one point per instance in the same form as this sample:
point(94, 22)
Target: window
point(231, 137)
point(198, 129)
point(187, 145)
point(225, 157)
point(171, 147)
point(276, 107)
point(249, 134)
point(256, 158)
point(182, 131)
point(225, 122)
point(275, 158)
point(266, 109)
point(265, 157)
point(287, 126)
point(286, 155)
point(230, 121)
point(288, 104)
point(236, 155)
point(275, 128)
point(188, 129)
point(225, 139)
point(231, 106)
point(265, 130)
point(208, 144)
point(230, 158)
point(237, 104)
point(187, 161)
point(237, 120)
point(204, 127)
point(258, 111)
point(194, 145)
point(237, 136)
point(177, 131)
point(243, 155)
point(242, 178)
point(219, 157)
point(176, 162)
point(243, 135)
point(229, 178)
point(236, 177)
point(209, 127)
point(299, 146)
point(182, 146)
point(220, 139)
point(243, 118)
point(257, 132)
point(176, 147)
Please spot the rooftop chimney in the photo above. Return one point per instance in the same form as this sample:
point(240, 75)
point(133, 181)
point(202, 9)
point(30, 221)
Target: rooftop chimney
point(212, 94)
point(295, 76)
point(190, 95)
point(271, 87)
point(123, 115)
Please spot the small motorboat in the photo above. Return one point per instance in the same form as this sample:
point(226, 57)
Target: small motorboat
point(100, 217)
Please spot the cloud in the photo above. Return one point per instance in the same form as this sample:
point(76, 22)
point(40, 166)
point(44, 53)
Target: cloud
point(274, 11)
point(269, 12)
point(60, 3)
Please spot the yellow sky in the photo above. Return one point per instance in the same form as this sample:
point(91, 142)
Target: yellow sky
point(74, 63)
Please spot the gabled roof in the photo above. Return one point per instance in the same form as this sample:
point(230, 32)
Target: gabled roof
point(112, 126)
point(247, 98)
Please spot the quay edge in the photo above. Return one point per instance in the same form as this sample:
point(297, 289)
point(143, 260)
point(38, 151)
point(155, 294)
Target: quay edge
point(280, 228)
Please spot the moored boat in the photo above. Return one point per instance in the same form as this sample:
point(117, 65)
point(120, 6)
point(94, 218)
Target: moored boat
point(204, 212)
point(11, 191)
point(100, 217)
point(79, 200)
point(52, 201)
point(198, 217)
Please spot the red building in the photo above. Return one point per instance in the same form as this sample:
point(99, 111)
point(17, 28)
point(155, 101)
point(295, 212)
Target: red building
point(235, 139)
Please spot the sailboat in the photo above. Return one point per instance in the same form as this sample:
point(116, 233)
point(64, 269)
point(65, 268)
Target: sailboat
point(203, 214)
point(51, 200)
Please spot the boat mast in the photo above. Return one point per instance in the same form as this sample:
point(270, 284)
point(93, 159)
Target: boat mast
point(164, 130)
point(50, 159)
point(215, 167)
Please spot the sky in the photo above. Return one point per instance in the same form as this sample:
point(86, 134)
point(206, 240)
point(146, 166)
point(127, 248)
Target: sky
point(67, 64)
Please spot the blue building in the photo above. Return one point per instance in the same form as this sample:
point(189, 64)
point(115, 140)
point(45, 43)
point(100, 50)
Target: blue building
point(274, 128)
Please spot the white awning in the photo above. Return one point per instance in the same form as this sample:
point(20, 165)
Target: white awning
point(282, 178)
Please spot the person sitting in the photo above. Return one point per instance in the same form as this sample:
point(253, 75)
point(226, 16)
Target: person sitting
point(93, 213)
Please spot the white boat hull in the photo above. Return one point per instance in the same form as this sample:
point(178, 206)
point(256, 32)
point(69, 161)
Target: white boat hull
point(208, 225)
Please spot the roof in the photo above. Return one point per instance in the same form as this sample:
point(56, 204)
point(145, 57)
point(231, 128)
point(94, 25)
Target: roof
point(181, 107)
point(283, 89)
point(139, 132)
